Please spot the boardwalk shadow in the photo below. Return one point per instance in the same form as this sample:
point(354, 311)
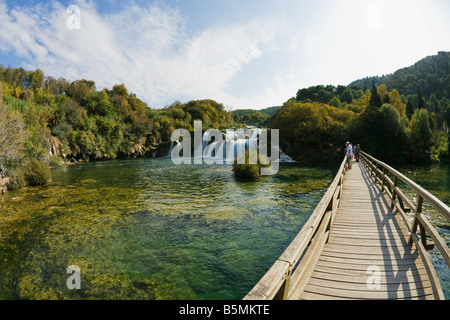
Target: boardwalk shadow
point(398, 257)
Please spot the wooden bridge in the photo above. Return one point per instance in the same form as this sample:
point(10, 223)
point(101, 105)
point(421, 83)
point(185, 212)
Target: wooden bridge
point(359, 242)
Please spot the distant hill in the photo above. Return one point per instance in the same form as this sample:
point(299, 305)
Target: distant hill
point(431, 75)
point(252, 117)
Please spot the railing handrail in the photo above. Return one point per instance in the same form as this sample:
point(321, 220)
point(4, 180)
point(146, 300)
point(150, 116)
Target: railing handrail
point(438, 204)
point(275, 283)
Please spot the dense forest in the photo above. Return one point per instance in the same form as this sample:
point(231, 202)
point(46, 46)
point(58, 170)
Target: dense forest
point(402, 117)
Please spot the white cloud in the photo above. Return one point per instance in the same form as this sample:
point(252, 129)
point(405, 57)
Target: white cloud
point(146, 48)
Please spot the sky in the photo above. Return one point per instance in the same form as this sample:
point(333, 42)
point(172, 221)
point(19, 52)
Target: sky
point(242, 53)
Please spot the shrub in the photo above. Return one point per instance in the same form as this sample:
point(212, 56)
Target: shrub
point(36, 172)
point(16, 179)
point(247, 171)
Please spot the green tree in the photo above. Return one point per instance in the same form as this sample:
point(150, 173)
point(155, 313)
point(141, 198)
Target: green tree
point(80, 91)
point(420, 100)
point(393, 133)
point(99, 103)
point(311, 131)
point(36, 79)
point(409, 107)
point(346, 96)
point(120, 90)
point(421, 135)
point(375, 99)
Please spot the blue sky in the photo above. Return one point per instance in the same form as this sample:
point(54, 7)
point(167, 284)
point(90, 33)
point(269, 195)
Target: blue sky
point(245, 54)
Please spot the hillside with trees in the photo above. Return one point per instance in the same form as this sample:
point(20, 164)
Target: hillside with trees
point(44, 121)
point(431, 75)
point(256, 118)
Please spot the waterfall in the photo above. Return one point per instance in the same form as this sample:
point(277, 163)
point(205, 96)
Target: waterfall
point(222, 150)
point(171, 148)
point(284, 157)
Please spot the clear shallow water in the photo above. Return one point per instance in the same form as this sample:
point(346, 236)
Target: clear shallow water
point(147, 229)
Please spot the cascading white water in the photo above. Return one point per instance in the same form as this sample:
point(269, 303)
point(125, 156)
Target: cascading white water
point(232, 143)
point(171, 148)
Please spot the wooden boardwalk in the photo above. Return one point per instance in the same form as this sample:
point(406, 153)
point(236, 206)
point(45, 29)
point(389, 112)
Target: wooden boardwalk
point(359, 242)
point(367, 239)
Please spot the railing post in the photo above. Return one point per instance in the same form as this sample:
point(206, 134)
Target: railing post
point(382, 179)
point(416, 220)
point(394, 191)
point(372, 170)
point(284, 290)
point(417, 223)
point(341, 184)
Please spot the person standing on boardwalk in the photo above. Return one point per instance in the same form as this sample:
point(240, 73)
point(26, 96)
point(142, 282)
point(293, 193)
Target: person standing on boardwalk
point(357, 151)
point(349, 154)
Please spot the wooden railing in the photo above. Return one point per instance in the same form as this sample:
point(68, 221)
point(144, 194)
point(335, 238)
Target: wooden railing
point(291, 271)
point(399, 201)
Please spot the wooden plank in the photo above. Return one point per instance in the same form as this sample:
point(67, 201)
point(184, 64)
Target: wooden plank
point(406, 276)
point(366, 256)
point(369, 243)
point(371, 226)
point(320, 296)
point(375, 223)
point(363, 213)
point(373, 294)
point(357, 232)
point(402, 283)
point(380, 236)
point(384, 273)
point(369, 262)
point(366, 233)
point(355, 223)
point(350, 248)
point(352, 267)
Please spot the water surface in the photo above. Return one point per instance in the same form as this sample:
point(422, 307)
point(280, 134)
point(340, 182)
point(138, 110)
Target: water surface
point(148, 229)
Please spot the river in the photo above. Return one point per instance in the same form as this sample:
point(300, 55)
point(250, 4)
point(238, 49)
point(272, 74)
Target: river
point(149, 229)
